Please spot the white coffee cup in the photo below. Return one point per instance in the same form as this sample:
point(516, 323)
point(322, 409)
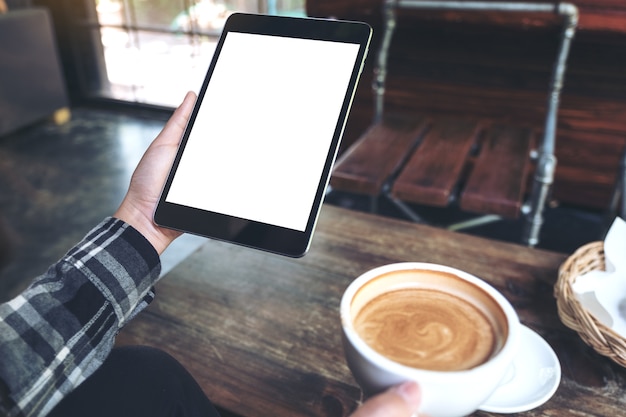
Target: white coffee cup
point(445, 393)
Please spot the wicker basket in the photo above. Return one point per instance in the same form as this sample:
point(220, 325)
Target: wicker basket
point(603, 339)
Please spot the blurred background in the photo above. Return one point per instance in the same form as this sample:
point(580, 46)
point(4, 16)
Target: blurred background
point(85, 85)
point(151, 50)
point(154, 48)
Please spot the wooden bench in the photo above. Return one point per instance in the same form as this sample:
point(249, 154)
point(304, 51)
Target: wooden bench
point(481, 166)
point(437, 161)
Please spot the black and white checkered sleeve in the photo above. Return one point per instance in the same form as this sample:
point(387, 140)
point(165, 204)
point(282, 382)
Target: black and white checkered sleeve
point(59, 331)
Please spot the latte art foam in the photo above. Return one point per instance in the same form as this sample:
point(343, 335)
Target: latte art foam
point(427, 329)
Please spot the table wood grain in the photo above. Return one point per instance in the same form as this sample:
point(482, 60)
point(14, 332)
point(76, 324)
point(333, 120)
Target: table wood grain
point(261, 332)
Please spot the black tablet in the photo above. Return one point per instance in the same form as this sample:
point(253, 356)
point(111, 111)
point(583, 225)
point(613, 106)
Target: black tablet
point(257, 153)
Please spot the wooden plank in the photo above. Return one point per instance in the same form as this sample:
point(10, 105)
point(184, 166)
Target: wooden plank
point(497, 183)
point(433, 171)
point(377, 155)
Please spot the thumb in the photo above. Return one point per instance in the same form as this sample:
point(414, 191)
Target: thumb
point(174, 128)
point(399, 401)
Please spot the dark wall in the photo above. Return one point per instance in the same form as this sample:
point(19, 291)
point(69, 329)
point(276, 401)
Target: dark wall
point(80, 47)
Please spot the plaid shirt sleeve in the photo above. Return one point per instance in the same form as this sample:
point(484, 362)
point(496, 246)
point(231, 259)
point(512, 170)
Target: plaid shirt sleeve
point(59, 330)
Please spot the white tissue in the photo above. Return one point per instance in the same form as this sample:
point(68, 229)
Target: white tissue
point(603, 293)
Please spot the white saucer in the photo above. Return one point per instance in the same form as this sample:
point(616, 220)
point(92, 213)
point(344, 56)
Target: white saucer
point(536, 377)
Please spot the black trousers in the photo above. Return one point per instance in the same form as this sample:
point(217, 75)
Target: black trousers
point(134, 382)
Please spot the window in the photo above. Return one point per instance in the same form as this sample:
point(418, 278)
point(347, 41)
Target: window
point(156, 50)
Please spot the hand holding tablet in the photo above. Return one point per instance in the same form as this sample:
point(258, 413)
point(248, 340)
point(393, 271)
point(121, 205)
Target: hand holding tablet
point(256, 156)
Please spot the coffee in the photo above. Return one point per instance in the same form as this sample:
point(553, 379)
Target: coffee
point(430, 320)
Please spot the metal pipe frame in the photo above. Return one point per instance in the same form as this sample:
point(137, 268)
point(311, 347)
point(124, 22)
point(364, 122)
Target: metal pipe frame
point(546, 161)
point(617, 206)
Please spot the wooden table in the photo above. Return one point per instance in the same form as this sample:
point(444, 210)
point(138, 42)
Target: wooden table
point(261, 332)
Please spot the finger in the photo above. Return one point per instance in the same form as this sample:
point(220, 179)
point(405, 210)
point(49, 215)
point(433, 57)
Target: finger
point(399, 401)
point(182, 113)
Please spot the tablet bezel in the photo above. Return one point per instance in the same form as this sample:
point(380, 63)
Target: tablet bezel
point(246, 232)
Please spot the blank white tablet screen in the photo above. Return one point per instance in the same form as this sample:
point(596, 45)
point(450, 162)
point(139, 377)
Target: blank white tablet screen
point(263, 131)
